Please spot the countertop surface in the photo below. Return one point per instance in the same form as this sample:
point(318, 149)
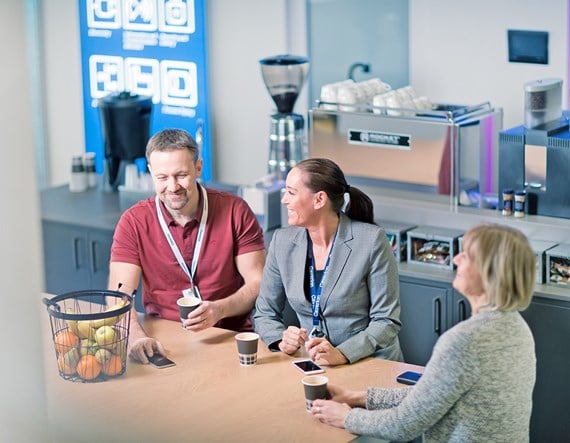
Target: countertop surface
point(97, 209)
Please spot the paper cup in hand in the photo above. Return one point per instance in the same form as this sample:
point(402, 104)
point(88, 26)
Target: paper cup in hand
point(315, 388)
point(186, 305)
point(247, 347)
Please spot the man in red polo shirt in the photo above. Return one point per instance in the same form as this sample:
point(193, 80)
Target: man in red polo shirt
point(187, 238)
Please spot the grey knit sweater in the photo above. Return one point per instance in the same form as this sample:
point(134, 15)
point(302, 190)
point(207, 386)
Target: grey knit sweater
point(477, 387)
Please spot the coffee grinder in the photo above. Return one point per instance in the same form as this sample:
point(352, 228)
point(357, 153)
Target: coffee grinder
point(284, 76)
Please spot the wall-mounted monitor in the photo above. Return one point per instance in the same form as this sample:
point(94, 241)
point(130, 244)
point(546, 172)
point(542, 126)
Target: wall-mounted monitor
point(528, 46)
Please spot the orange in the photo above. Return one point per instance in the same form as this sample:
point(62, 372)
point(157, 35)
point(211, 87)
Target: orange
point(63, 368)
point(113, 366)
point(88, 367)
point(64, 340)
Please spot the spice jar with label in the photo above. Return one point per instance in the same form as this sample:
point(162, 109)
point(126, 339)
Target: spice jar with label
point(520, 199)
point(508, 201)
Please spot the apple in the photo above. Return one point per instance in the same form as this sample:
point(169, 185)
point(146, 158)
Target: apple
point(85, 330)
point(103, 355)
point(88, 346)
point(71, 358)
point(105, 336)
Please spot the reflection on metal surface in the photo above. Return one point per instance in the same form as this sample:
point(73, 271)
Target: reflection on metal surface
point(535, 167)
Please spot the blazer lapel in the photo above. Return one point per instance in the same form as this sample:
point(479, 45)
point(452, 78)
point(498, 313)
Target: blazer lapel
point(340, 254)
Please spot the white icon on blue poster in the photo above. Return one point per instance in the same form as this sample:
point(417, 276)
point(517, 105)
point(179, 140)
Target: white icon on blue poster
point(179, 84)
point(139, 15)
point(142, 77)
point(105, 14)
point(105, 74)
point(176, 16)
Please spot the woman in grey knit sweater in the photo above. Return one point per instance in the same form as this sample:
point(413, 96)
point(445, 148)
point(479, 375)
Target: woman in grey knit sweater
point(477, 386)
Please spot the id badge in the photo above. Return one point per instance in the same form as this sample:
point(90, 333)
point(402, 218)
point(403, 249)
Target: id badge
point(316, 332)
point(192, 292)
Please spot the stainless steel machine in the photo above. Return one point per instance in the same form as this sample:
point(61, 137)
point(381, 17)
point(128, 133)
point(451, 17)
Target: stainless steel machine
point(449, 152)
point(535, 157)
point(284, 76)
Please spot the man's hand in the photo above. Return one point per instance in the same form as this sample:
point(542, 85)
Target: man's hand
point(204, 316)
point(144, 347)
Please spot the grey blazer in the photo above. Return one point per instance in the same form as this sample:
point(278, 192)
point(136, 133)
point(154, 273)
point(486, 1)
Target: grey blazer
point(360, 302)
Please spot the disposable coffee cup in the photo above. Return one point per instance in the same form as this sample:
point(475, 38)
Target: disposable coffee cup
point(186, 305)
point(247, 348)
point(315, 388)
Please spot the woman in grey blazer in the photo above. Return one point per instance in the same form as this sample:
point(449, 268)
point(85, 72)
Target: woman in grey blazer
point(336, 269)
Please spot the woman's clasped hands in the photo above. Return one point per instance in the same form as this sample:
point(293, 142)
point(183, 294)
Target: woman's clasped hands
point(320, 350)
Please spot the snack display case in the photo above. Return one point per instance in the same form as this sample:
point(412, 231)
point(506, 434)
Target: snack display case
point(540, 247)
point(433, 246)
point(558, 265)
point(396, 232)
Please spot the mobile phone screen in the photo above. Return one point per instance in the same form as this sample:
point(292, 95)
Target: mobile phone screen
point(308, 366)
point(160, 361)
point(408, 378)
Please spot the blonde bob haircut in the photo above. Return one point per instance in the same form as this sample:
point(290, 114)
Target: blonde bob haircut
point(506, 263)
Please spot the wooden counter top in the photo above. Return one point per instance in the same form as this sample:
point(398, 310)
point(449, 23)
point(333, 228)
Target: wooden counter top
point(207, 396)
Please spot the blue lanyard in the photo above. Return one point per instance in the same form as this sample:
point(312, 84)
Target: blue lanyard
point(316, 290)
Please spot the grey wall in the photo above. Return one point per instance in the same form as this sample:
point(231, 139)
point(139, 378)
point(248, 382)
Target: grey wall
point(22, 399)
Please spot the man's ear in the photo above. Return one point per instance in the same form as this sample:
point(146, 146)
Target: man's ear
point(199, 167)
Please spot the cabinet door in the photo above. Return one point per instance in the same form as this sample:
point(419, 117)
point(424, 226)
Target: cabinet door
point(423, 316)
point(549, 321)
point(99, 250)
point(460, 309)
point(65, 257)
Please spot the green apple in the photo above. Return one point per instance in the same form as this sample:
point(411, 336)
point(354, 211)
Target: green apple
point(85, 330)
point(103, 355)
point(105, 336)
point(71, 358)
point(88, 346)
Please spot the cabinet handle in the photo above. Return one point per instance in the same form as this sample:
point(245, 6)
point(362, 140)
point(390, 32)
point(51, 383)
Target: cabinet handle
point(75, 252)
point(437, 315)
point(461, 310)
point(93, 254)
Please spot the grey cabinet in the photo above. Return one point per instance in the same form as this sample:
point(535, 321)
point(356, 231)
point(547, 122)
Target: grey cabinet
point(423, 315)
point(75, 257)
point(428, 309)
point(549, 321)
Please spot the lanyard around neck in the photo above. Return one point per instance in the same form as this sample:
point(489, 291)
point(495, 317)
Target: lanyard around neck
point(173, 244)
point(316, 290)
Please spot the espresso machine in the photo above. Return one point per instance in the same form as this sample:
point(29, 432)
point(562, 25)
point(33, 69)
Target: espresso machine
point(534, 158)
point(284, 76)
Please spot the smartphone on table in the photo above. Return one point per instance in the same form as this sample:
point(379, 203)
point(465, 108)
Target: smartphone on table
point(408, 377)
point(160, 361)
point(308, 367)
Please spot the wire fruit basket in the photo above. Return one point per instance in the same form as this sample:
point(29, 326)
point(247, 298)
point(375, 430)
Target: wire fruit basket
point(90, 331)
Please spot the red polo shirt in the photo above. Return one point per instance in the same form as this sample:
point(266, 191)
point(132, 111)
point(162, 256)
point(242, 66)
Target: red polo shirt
point(231, 230)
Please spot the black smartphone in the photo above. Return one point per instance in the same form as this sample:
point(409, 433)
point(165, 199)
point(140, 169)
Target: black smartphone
point(308, 367)
point(160, 361)
point(408, 377)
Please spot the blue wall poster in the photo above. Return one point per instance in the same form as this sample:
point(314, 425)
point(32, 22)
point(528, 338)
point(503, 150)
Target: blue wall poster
point(154, 48)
